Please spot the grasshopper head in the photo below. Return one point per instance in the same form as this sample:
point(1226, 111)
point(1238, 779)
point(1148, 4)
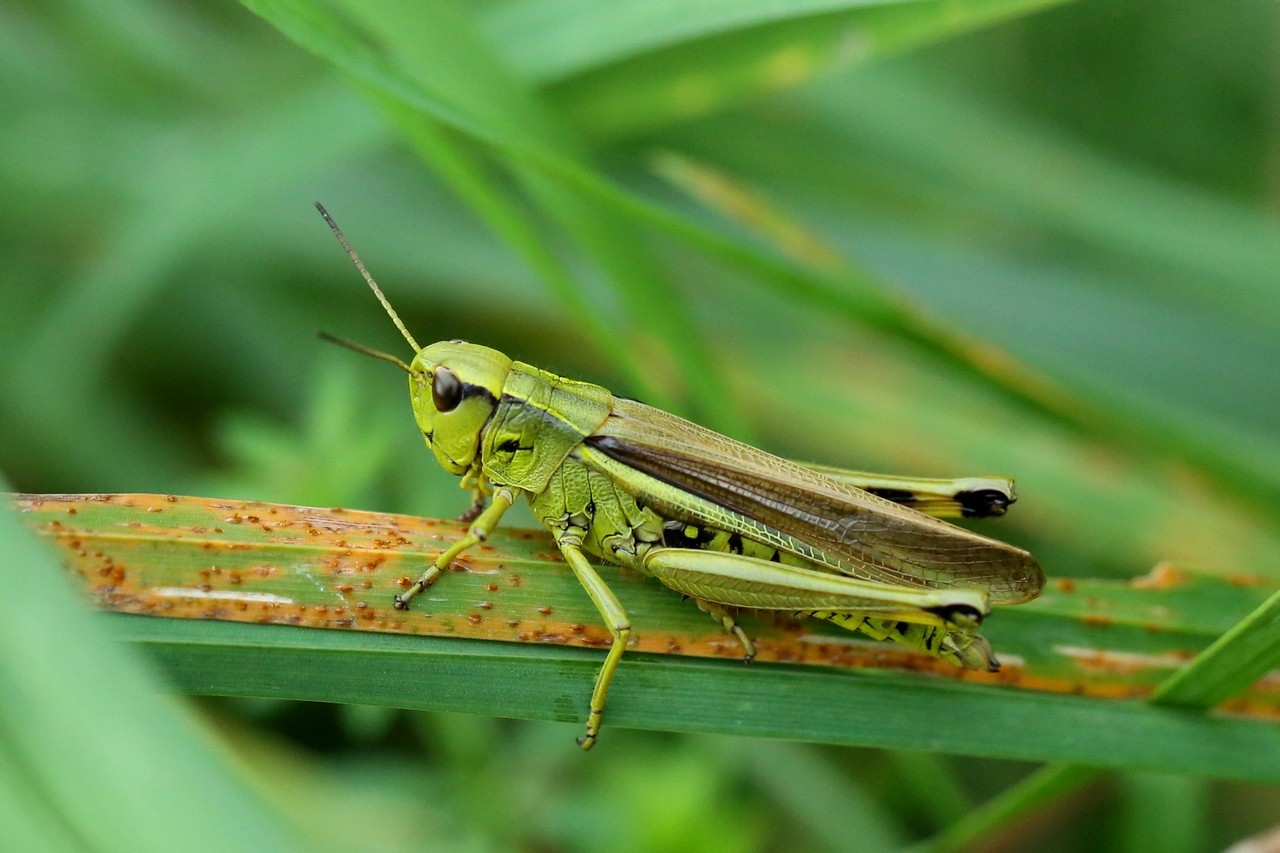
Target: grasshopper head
point(454, 387)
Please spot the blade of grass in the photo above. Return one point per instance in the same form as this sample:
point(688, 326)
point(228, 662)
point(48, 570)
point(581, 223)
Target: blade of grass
point(218, 560)
point(1046, 785)
point(1175, 238)
point(696, 76)
point(683, 694)
point(551, 41)
point(1161, 812)
point(805, 782)
point(935, 789)
point(1235, 660)
point(339, 569)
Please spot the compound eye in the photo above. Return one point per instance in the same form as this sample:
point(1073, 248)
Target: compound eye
point(446, 390)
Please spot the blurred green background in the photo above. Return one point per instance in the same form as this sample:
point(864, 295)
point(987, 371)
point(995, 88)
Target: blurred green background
point(812, 225)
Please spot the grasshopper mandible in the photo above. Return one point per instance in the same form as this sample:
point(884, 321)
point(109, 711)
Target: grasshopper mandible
point(723, 523)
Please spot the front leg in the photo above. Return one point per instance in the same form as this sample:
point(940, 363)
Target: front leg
point(475, 482)
point(477, 532)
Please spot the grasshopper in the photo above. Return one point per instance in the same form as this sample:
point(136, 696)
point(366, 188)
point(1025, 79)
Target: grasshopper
point(719, 521)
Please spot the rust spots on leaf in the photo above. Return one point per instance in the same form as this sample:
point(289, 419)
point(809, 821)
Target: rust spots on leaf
point(256, 562)
point(1247, 580)
point(1117, 663)
point(1163, 576)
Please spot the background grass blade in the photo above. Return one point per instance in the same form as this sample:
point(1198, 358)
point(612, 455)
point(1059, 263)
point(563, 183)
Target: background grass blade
point(722, 58)
point(159, 779)
point(1250, 650)
point(1046, 785)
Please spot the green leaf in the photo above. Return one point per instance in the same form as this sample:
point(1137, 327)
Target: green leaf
point(733, 60)
point(549, 40)
point(1044, 786)
point(1237, 659)
point(681, 694)
point(1161, 812)
point(338, 569)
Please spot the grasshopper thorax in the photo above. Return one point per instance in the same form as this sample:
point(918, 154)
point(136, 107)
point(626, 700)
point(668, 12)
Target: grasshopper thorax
point(454, 388)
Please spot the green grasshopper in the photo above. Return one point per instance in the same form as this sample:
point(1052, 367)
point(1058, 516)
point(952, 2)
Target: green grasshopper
point(719, 521)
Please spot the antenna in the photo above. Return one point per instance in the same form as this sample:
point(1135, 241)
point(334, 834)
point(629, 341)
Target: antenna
point(360, 348)
point(377, 291)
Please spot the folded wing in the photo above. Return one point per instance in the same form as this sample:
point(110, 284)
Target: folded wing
point(835, 525)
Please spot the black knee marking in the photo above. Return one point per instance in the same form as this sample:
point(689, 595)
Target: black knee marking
point(957, 614)
point(983, 502)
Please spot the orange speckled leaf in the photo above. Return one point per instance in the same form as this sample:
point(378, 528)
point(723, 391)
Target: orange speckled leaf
point(198, 558)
